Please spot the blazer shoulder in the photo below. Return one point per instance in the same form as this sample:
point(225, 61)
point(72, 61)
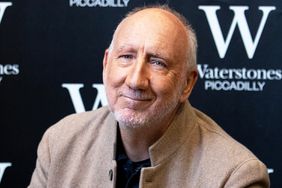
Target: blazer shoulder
point(220, 142)
point(237, 163)
point(75, 123)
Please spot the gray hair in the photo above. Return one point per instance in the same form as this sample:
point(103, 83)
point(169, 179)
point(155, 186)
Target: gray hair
point(191, 35)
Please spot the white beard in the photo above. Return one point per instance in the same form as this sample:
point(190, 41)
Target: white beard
point(135, 119)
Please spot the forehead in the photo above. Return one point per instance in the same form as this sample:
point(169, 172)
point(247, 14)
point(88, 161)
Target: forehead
point(151, 29)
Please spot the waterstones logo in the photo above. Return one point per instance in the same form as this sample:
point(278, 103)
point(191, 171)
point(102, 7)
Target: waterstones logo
point(99, 3)
point(8, 70)
point(237, 79)
point(241, 79)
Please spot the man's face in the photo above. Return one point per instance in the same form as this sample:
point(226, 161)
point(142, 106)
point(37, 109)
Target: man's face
point(145, 72)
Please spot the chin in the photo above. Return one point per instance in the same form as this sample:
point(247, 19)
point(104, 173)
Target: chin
point(129, 119)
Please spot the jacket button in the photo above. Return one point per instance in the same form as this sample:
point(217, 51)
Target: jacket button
point(111, 174)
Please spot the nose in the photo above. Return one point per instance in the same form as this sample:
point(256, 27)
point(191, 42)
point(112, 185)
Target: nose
point(138, 75)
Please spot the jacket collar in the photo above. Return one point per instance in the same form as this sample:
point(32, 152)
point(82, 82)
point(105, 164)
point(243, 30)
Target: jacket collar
point(176, 134)
point(110, 136)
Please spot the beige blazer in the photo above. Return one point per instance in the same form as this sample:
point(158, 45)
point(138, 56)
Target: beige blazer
point(79, 152)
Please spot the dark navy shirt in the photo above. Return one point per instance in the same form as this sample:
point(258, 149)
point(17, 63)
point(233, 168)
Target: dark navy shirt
point(128, 172)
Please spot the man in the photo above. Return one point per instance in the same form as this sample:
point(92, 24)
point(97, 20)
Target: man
point(149, 135)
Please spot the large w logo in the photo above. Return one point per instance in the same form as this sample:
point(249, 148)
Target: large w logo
point(3, 6)
point(240, 20)
point(3, 167)
point(74, 91)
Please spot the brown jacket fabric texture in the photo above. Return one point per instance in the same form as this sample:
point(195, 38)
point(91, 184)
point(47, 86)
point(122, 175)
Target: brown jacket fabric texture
point(79, 152)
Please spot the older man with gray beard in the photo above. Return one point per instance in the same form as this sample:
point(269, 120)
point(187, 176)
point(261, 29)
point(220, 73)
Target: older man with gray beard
point(149, 135)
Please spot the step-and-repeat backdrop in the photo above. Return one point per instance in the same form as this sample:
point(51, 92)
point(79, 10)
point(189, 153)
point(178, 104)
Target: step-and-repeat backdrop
point(51, 65)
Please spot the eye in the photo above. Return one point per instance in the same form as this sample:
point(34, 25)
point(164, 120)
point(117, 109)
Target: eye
point(158, 62)
point(126, 56)
point(125, 59)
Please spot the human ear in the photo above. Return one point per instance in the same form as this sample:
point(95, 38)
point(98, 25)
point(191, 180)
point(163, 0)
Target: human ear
point(192, 77)
point(105, 63)
point(105, 59)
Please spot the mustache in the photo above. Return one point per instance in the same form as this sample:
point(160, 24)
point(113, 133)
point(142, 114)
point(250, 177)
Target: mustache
point(136, 94)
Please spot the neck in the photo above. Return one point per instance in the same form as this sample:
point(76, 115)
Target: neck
point(136, 142)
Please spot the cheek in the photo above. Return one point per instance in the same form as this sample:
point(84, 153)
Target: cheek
point(163, 87)
point(114, 76)
point(169, 86)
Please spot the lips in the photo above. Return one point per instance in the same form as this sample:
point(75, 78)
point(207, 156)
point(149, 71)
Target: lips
point(136, 95)
point(137, 98)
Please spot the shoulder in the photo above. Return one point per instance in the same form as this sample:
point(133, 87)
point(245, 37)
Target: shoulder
point(77, 122)
point(220, 141)
point(74, 141)
point(84, 117)
point(78, 128)
point(231, 159)
point(219, 144)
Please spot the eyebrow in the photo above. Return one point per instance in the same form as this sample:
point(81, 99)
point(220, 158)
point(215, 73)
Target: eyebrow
point(155, 54)
point(159, 55)
point(125, 46)
point(131, 48)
